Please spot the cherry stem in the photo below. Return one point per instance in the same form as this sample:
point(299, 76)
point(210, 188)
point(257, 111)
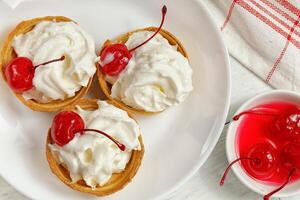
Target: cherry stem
point(120, 145)
point(164, 12)
point(267, 196)
point(255, 111)
point(51, 61)
point(226, 123)
point(222, 181)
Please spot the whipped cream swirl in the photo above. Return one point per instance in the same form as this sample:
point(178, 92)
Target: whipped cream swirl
point(156, 77)
point(50, 40)
point(92, 156)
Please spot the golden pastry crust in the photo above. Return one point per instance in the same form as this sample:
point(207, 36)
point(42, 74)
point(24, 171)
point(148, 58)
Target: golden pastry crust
point(7, 54)
point(106, 87)
point(116, 182)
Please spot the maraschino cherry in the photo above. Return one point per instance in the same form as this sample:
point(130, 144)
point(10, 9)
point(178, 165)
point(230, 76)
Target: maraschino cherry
point(115, 57)
point(260, 162)
point(286, 123)
point(291, 173)
point(290, 155)
point(290, 158)
point(66, 124)
point(20, 71)
point(282, 120)
point(265, 163)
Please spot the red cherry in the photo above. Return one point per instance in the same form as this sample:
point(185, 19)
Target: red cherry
point(115, 57)
point(291, 173)
point(19, 74)
point(20, 71)
point(290, 158)
point(290, 155)
point(67, 123)
point(288, 123)
point(265, 163)
point(63, 126)
point(260, 162)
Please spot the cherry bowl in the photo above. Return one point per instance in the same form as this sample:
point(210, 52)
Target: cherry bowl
point(232, 148)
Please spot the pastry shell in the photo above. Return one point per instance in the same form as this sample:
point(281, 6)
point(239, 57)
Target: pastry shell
point(106, 87)
point(116, 182)
point(7, 54)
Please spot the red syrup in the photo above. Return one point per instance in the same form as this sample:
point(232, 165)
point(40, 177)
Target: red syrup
point(268, 144)
point(255, 129)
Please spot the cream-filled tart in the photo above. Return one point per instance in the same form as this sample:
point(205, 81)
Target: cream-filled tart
point(48, 62)
point(145, 71)
point(94, 147)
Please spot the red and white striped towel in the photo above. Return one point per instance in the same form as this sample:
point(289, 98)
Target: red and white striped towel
point(264, 35)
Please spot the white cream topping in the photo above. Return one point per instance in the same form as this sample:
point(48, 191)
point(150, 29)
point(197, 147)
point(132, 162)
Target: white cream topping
point(93, 157)
point(156, 77)
point(51, 40)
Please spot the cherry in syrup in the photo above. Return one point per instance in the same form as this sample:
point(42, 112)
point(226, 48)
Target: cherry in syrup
point(67, 124)
point(260, 162)
point(290, 156)
point(20, 71)
point(290, 159)
point(286, 182)
point(266, 161)
point(115, 57)
point(286, 122)
point(277, 123)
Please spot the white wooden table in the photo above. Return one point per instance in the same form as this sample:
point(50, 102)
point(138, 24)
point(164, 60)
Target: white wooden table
point(204, 185)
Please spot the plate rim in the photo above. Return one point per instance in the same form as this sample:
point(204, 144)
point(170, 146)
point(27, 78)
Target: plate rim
point(225, 111)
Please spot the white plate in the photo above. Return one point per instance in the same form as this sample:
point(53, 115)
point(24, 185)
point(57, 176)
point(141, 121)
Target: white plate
point(177, 142)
